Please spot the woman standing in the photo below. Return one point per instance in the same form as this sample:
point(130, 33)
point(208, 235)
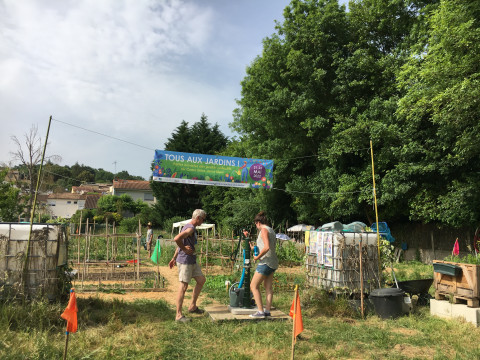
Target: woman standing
point(268, 263)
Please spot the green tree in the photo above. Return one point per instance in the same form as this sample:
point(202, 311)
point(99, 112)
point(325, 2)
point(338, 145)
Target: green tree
point(86, 176)
point(182, 199)
point(438, 162)
point(107, 203)
point(11, 202)
point(124, 175)
point(102, 176)
point(324, 86)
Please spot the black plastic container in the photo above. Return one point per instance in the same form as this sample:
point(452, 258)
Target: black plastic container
point(388, 302)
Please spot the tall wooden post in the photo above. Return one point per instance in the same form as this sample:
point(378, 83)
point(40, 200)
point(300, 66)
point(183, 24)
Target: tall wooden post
point(361, 274)
point(376, 216)
point(294, 322)
point(106, 235)
point(139, 236)
point(78, 237)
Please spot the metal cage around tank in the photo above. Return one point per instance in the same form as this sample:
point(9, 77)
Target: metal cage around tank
point(333, 261)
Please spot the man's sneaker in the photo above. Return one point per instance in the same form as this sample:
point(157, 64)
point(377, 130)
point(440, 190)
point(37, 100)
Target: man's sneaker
point(267, 313)
point(258, 315)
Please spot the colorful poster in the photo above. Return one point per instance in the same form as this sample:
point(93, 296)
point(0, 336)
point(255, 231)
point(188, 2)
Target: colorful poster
point(320, 247)
point(313, 243)
point(199, 169)
point(328, 249)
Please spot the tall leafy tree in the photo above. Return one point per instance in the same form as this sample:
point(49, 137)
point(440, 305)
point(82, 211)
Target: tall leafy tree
point(286, 99)
point(438, 163)
point(182, 199)
point(325, 85)
point(11, 202)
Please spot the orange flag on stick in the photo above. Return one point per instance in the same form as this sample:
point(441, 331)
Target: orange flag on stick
point(456, 248)
point(296, 314)
point(70, 313)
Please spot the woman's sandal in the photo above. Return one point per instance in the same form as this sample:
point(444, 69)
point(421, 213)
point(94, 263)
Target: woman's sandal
point(183, 319)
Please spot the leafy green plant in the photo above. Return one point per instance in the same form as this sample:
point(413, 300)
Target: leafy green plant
point(289, 254)
point(468, 259)
point(410, 270)
point(129, 225)
point(387, 252)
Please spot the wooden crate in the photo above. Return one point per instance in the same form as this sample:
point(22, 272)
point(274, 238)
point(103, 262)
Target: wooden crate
point(463, 285)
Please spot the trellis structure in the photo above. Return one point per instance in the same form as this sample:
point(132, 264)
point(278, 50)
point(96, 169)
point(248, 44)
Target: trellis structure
point(213, 248)
point(110, 256)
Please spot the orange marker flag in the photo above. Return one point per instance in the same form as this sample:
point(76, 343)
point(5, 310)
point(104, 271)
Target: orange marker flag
point(296, 314)
point(456, 248)
point(70, 313)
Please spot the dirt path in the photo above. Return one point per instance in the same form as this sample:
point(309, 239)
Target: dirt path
point(169, 295)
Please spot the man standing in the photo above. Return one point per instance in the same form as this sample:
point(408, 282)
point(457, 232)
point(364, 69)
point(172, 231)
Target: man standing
point(149, 239)
point(188, 268)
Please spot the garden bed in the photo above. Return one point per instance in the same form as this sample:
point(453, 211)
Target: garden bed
point(460, 281)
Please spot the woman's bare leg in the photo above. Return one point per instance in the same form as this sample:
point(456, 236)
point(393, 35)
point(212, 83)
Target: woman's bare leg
point(255, 288)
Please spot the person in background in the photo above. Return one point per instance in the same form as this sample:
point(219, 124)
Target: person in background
point(149, 239)
point(268, 263)
point(186, 260)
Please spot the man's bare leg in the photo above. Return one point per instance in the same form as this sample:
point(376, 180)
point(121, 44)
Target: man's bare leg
point(182, 288)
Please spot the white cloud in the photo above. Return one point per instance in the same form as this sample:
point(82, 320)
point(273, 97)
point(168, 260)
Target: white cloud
point(130, 69)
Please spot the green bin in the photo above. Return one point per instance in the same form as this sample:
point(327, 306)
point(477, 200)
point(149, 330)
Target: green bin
point(447, 269)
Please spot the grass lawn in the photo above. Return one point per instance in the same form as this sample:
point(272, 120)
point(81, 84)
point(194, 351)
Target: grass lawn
point(146, 330)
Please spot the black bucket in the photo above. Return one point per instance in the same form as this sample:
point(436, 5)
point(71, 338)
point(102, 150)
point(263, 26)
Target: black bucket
point(388, 302)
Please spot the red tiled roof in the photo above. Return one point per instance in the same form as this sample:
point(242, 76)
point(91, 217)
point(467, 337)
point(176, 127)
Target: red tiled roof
point(131, 184)
point(67, 196)
point(91, 201)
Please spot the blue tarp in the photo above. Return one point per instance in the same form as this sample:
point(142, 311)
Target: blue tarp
point(383, 230)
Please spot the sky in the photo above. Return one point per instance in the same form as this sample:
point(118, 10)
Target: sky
point(128, 69)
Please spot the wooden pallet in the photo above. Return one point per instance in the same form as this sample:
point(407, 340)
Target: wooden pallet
point(470, 302)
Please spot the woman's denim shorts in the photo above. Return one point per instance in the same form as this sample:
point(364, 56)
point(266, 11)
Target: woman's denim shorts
point(265, 269)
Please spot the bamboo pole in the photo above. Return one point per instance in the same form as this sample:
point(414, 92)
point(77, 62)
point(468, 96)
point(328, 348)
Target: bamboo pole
point(78, 239)
point(206, 258)
point(361, 275)
point(85, 250)
point(114, 242)
point(376, 215)
point(66, 346)
point(32, 213)
point(106, 235)
point(89, 241)
point(138, 248)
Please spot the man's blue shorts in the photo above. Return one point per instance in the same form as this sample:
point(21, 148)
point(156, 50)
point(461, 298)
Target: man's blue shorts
point(264, 269)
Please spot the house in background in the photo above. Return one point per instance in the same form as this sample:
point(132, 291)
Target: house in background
point(65, 205)
point(137, 189)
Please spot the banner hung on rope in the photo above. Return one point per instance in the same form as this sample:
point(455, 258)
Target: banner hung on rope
point(199, 169)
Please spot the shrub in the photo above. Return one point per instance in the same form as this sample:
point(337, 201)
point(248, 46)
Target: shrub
point(129, 225)
point(289, 253)
point(167, 224)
